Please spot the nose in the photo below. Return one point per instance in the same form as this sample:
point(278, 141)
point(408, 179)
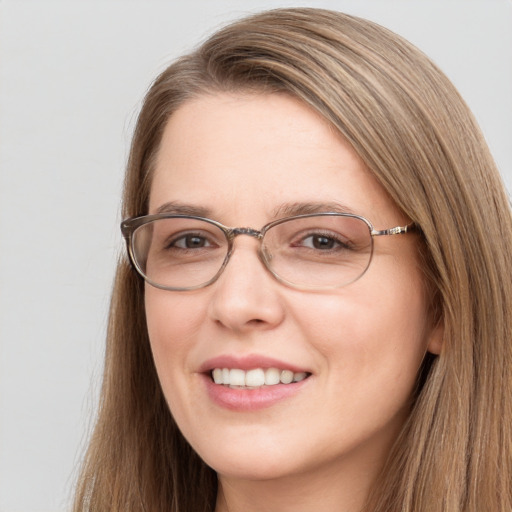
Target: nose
point(246, 296)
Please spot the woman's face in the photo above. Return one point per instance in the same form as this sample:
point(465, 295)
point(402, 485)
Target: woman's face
point(240, 159)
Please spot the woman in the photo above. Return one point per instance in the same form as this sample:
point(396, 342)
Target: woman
point(354, 352)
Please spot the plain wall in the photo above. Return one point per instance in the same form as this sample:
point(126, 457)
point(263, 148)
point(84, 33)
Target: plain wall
point(72, 75)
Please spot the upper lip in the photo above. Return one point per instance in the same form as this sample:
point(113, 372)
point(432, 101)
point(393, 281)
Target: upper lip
point(248, 363)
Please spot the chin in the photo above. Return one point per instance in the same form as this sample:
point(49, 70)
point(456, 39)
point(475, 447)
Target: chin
point(251, 460)
point(248, 469)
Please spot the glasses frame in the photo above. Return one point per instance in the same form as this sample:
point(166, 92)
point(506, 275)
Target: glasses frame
point(129, 226)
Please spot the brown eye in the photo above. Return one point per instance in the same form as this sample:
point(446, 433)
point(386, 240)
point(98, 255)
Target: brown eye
point(322, 242)
point(191, 242)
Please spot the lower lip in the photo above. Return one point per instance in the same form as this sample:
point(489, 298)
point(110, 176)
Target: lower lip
point(251, 399)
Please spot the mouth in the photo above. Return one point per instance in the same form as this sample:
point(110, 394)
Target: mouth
point(252, 382)
point(255, 378)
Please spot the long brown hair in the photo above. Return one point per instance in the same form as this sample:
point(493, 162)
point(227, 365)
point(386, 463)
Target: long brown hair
point(416, 135)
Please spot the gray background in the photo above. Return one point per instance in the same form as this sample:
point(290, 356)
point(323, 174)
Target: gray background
point(72, 75)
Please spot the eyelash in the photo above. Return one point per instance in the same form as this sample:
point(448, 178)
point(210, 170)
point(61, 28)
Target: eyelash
point(173, 242)
point(341, 243)
point(298, 241)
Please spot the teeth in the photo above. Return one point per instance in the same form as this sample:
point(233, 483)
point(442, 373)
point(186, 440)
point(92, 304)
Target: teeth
point(217, 376)
point(237, 377)
point(286, 376)
point(255, 378)
point(297, 377)
point(272, 377)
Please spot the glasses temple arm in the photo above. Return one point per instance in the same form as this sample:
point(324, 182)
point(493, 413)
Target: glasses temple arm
point(398, 230)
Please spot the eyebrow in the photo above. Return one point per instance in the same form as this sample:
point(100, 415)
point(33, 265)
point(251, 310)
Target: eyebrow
point(177, 208)
point(283, 210)
point(298, 208)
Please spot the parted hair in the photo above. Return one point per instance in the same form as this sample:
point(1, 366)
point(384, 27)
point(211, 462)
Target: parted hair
point(418, 138)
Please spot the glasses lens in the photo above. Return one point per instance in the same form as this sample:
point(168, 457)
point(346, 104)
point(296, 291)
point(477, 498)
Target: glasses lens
point(321, 251)
point(179, 253)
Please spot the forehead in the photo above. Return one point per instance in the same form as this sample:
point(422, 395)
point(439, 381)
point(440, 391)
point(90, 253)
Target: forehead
point(243, 156)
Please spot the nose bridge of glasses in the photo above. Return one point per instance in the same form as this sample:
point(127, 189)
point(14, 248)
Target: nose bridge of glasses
point(246, 231)
point(253, 233)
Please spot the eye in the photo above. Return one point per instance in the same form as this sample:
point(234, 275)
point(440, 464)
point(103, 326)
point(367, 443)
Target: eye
point(190, 241)
point(320, 242)
point(323, 242)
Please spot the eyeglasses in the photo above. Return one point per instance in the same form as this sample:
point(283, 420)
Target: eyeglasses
point(309, 252)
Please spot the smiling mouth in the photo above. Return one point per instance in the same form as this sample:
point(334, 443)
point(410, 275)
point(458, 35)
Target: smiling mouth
point(256, 378)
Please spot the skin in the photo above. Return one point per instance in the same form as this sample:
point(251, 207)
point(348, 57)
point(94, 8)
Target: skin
point(241, 157)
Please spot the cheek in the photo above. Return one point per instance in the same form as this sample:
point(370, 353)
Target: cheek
point(396, 325)
point(173, 321)
point(170, 313)
point(373, 331)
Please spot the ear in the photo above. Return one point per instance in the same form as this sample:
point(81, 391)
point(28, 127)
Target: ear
point(436, 338)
